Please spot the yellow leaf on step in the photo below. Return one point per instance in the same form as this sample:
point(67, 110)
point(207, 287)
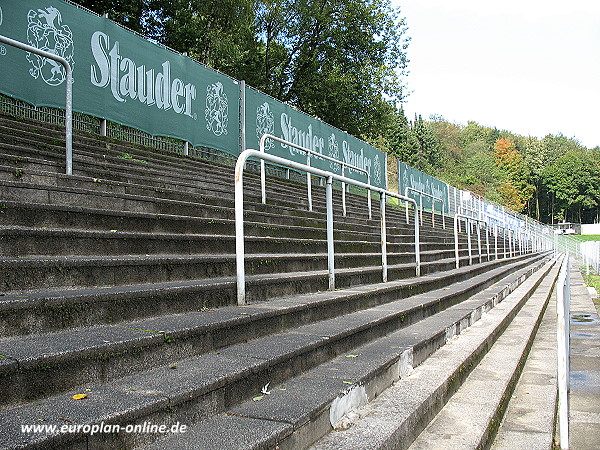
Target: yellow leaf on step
point(79, 396)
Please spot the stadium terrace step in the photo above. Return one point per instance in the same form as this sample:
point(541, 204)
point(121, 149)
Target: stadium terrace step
point(34, 311)
point(202, 386)
point(488, 356)
point(119, 282)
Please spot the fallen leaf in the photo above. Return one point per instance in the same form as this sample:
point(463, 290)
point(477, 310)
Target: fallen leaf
point(347, 382)
point(351, 356)
point(79, 396)
point(258, 399)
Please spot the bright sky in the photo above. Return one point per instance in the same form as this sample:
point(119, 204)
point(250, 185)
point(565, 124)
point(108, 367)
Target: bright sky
point(528, 66)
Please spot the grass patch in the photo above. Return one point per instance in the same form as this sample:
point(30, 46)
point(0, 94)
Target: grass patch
point(585, 237)
point(593, 281)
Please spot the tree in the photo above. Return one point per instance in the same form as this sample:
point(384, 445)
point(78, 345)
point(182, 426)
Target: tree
point(340, 60)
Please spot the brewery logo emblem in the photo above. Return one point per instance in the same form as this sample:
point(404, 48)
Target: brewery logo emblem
point(265, 124)
point(46, 32)
point(376, 170)
point(334, 152)
point(217, 109)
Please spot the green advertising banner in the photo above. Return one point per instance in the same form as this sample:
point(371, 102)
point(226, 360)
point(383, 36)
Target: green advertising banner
point(117, 75)
point(265, 115)
point(419, 181)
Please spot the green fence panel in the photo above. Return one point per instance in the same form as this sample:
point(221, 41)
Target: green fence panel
point(415, 179)
point(117, 75)
point(265, 115)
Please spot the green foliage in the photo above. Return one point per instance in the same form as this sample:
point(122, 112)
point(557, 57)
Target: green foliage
point(339, 60)
point(551, 179)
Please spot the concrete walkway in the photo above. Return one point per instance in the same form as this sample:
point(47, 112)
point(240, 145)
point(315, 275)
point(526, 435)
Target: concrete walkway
point(584, 420)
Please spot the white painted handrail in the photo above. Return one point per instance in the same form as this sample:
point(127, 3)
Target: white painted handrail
point(239, 216)
point(69, 95)
point(433, 200)
point(563, 301)
point(456, 246)
point(310, 152)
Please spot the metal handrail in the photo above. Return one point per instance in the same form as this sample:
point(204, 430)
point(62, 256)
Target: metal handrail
point(309, 152)
point(330, 176)
point(68, 99)
point(433, 198)
point(456, 249)
point(563, 303)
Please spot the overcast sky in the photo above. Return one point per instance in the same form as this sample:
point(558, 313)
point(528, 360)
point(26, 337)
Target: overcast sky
point(528, 66)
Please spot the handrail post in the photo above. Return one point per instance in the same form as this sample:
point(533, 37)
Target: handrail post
point(496, 240)
point(562, 336)
point(263, 176)
point(478, 225)
point(444, 215)
point(330, 246)
point(239, 232)
point(468, 226)
point(487, 241)
point(382, 201)
point(456, 252)
point(343, 190)
point(369, 195)
point(309, 184)
point(68, 95)
point(417, 245)
point(406, 204)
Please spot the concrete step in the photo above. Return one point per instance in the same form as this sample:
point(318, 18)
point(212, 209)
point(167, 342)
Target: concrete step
point(273, 225)
point(31, 272)
point(43, 310)
point(397, 418)
point(530, 415)
point(88, 146)
point(24, 241)
point(166, 179)
point(197, 387)
point(303, 408)
point(119, 197)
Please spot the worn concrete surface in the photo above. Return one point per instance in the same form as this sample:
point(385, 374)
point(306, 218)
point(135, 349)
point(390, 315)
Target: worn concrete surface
point(529, 419)
point(584, 417)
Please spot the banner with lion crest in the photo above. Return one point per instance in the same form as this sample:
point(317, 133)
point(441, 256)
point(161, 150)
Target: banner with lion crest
point(266, 115)
point(117, 75)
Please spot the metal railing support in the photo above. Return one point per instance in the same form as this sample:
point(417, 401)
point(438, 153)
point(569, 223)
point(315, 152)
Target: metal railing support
point(384, 264)
point(330, 245)
point(344, 192)
point(68, 98)
point(310, 152)
point(468, 221)
point(239, 213)
point(433, 200)
point(479, 241)
point(496, 240)
point(239, 231)
point(563, 348)
point(487, 242)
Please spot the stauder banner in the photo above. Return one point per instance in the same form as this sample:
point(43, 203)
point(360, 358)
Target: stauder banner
point(265, 115)
point(117, 75)
point(420, 181)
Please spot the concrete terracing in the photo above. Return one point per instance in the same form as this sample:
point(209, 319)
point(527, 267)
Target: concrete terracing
point(118, 283)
